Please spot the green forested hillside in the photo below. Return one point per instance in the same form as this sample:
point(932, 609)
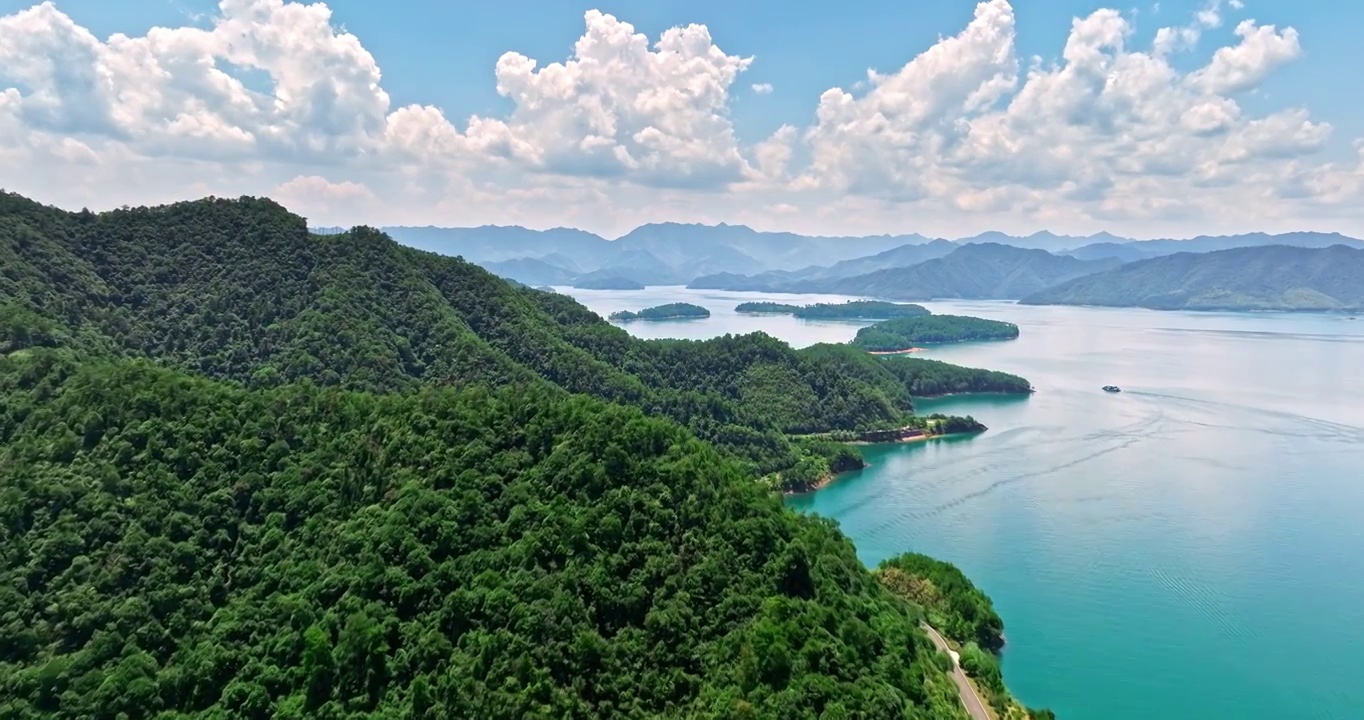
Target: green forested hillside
point(962, 613)
point(239, 290)
point(173, 546)
point(1249, 278)
point(250, 472)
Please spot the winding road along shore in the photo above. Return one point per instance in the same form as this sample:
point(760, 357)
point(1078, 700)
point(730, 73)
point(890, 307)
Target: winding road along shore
point(975, 707)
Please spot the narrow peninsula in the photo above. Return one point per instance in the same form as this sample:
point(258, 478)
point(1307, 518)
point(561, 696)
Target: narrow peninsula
point(839, 450)
point(920, 427)
point(851, 310)
point(906, 334)
point(671, 311)
point(934, 378)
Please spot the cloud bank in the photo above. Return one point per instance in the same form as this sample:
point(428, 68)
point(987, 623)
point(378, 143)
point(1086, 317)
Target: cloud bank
point(272, 98)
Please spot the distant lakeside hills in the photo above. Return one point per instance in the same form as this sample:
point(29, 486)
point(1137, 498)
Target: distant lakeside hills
point(1250, 278)
point(974, 271)
point(1101, 269)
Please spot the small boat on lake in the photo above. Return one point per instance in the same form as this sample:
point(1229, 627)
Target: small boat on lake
point(1112, 388)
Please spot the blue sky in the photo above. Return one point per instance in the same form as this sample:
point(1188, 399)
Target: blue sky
point(952, 169)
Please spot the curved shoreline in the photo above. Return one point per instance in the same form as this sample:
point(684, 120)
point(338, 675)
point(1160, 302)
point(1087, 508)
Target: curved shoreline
point(830, 478)
point(823, 482)
point(906, 351)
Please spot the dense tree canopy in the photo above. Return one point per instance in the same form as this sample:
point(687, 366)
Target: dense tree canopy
point(932, 378)
point(251, 472)
point(962, 613)
point(766, 308)
point(955, 607)
point(239, 290)
point(177, 544)
point(908, 332)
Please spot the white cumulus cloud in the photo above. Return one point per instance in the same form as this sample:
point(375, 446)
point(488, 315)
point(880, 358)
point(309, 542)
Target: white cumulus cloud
point(621, 107)
point(271, 97)
point(1108, 135)
point(1243, 66)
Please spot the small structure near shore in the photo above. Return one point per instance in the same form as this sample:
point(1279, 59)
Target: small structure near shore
point(890, 436)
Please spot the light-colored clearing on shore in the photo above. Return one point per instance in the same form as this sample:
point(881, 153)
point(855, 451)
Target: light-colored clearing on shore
point(906, 351)
point(898, 441)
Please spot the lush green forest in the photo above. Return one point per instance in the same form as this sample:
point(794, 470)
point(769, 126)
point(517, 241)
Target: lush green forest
point(178, 545)
point(905, 333)
point(671, 311)
point(955, 607)
point(940, 424)
point(932, 378)
point(239, 290)
point(851, 310)
point(1249, 278)
point(252, 472)
point(963, 614)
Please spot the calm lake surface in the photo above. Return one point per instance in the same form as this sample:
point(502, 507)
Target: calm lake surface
point(1192, 547)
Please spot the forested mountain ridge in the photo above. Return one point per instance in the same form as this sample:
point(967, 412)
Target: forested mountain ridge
point(1253, 278)
point(173, 546)
point(240, 290)
point(250, 472)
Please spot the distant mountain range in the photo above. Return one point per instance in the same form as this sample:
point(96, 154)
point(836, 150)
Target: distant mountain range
point(1248, 278)
point(1130, 250)
point(657, 254)
point(974, 271)
point(814, 277)
point(901, 267)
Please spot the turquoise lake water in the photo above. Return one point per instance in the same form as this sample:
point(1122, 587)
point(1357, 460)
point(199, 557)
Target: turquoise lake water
point(1192, 547)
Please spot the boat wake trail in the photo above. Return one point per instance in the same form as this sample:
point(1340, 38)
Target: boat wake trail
point(1020, 477)
point(1291, 425)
